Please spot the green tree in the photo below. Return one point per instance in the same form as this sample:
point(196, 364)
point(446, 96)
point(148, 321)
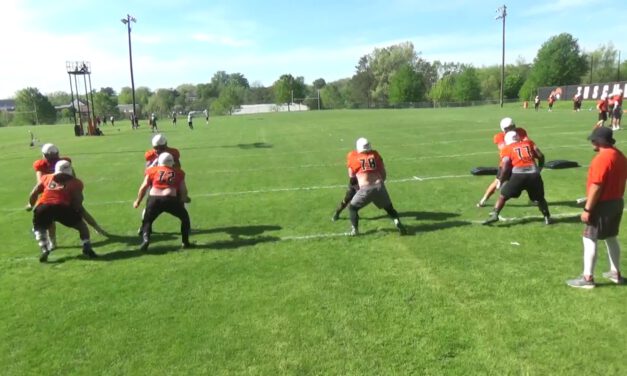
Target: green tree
point(559, 62)
point(466, 86)
point(125, 96)
point(362, 83)
point(406, 85)
point(319, 83)
point(59, 98)
point(287, 87)
point(258, 93)
point(331, 97)
point(162, 102)
point(604, 65)
point(384, 63)
point(32, 107)
point(105, 103)
point(231, 98)
point(442, 91)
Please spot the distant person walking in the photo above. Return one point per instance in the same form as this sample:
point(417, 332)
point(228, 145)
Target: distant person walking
point(603, 210)
point(189, 120)
point(602, 107)
point(551, 100)
point(536, 103)
point(174, 118)
point(153, 123)
point(206, 112)
point(617, 110)
point(112, 120)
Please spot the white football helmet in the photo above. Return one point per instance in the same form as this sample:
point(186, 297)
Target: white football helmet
point(49, 150)
point(166, 159)
point(63, 167)
point(159, 140)
point(506, 123)
point(511, 137)
point(362, 145)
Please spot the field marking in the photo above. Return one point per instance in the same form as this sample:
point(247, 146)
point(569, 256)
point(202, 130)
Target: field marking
point(516, 219)
point(278, 190)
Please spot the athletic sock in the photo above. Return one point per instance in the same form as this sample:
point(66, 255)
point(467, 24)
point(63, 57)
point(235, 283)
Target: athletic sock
point(589, 256)
point(613, 252)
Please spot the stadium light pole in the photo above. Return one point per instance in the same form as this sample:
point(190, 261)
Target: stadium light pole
point(502, 14)
point(127, 21)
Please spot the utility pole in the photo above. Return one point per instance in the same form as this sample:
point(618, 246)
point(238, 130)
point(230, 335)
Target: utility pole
point(502, 14)
point(618, 68)
point(127, 21)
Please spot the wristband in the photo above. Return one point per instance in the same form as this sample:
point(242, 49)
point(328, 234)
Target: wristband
point(586, 210)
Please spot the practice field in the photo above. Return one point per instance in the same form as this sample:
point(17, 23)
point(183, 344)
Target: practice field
point(275, 287)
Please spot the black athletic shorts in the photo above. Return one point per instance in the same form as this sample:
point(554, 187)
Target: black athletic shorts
point(44, 215)
point(532, 183)
point(604, 220)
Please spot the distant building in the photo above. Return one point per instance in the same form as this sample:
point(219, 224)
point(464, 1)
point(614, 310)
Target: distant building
point(7, 105)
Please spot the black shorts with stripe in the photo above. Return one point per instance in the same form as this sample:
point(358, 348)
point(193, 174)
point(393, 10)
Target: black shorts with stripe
point(604, 220)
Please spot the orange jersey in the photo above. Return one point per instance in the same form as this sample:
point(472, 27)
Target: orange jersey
point(57, 193)
point(609, 169)
point(47, 167)
point(162, 177)
point(499, 138)
point(151, 156)
point(521, 154)
point(602, 105)
point(365, 163)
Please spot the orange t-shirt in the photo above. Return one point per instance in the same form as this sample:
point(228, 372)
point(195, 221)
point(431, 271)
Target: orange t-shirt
point(162, 177)
point(602, 105)
point(47, 167)
point(151, 155)
point(57, 193)
point(522, 153)
point(608, 169)
point(364, 163)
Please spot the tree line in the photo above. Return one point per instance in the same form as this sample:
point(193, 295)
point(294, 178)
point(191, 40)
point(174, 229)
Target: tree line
point(392, 76)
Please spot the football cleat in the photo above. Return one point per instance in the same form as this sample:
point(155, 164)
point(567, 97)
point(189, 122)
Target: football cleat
point(335, 217)
point(89, 252)
point(144, 246)
point(353, 232)
point(44, 254)
point(491, 219)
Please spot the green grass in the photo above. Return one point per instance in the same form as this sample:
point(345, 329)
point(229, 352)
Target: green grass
point(274, 288)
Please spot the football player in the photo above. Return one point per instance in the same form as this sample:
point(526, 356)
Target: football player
point(46, 166)
point(507, 124)
point(366, 165)
point(522, 162)
point(167, 192)
point(58, 197)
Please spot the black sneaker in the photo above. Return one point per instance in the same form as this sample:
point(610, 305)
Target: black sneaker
point(335, 217)
point(44, 254)
point(89, 253)
point(401, 229)
point(188, 245)
point(144, 246)
point(548, 220)
point(491, 219)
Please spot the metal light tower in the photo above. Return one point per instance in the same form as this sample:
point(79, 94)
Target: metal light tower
point(502, 14)
point(127, 21)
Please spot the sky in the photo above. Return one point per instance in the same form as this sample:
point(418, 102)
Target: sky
point(178, 42)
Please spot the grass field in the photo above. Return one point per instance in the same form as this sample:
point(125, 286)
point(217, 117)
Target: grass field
point(274, 287)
